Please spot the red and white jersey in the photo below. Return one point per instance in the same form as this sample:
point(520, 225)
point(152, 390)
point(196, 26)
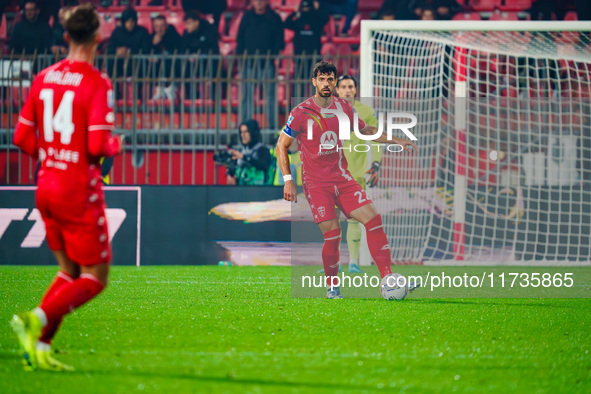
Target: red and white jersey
point(323, 160)
point(71, 106)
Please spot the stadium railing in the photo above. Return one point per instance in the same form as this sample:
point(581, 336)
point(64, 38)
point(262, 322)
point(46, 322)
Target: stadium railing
point(176, 110)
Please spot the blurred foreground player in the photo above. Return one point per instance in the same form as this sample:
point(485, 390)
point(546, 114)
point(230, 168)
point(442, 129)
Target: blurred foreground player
point(70, 103)
point(326, 180)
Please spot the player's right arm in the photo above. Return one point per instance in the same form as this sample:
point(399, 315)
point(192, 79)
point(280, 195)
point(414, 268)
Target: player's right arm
point(290, 192)
point(288, 134)
point(25, 135)
point(101, 123)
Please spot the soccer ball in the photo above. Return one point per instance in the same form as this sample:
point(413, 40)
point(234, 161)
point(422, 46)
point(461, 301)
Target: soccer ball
point(394, 287)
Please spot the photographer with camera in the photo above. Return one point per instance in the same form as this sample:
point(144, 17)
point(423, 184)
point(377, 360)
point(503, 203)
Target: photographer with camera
point(251, 164)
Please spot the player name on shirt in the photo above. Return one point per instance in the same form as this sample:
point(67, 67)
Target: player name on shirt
point(61, 78)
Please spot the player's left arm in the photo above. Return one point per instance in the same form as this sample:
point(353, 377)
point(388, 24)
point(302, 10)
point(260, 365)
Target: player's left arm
point(25, 134)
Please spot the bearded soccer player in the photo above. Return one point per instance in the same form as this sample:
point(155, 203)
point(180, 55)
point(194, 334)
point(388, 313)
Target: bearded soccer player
point(326, 180)
point(70, 105)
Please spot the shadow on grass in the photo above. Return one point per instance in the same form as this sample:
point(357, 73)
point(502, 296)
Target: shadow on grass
point(241, 381)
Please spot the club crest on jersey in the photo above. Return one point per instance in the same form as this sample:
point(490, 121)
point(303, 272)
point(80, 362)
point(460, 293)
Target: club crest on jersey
point(321, 211)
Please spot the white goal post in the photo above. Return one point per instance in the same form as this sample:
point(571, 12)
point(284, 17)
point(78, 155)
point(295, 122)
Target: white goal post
point(503, 172)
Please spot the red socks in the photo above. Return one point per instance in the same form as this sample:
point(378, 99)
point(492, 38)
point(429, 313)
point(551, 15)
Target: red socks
point(60, 279)
point(378, 245)
point(69, 297)
point(330, 255)
point(51, 328)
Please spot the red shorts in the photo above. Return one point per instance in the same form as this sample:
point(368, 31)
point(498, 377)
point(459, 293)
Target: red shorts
point(82, 235)
point(346, 196)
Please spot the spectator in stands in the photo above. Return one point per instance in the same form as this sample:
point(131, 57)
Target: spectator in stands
point(389, 10)
point(199, 35)
point(49, 8)
point(307, 24)
point(260, 31)
point(31, 34)
point(165, 38)
point(214, 7)
point(252, 161)
point(348, 8)
point(428, 14)
point(58, 43)
point(129, 38)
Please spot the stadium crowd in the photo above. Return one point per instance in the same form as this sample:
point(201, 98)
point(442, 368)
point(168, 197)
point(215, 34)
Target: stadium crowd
point(250, 25)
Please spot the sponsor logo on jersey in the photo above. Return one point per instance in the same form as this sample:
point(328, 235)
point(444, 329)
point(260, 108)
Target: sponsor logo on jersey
point(289, 120)
point(328, 140)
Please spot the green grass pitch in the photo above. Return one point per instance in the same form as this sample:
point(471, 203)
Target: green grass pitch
point(217, 329)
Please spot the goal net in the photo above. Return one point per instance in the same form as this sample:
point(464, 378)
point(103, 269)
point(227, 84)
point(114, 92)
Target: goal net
point(503, 172)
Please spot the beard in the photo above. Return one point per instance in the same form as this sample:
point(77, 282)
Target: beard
point(323, 93)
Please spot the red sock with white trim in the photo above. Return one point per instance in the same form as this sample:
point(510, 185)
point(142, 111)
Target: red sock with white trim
point(50, 329)
point(378, 245)
point(69, 297)
point(330, 255)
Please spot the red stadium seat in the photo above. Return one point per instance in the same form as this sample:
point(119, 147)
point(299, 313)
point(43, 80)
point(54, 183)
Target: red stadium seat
point(370, 5)
point(295, 4)
point(330, 29)
point(515, 5)
point(3, 28)
point(107, 25)
point(504, 16)
point(145, 20)
point(571, 16)
point(228, 40)
point(236, 5)
point(485, 5)
point(144, 6)
point(467, 16)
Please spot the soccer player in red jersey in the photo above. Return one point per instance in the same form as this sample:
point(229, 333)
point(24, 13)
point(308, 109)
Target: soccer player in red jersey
point(71, 106)
point(327, 182)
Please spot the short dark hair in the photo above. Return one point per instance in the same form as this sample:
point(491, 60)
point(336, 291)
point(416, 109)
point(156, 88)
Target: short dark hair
point(82, 23)
point(347, 76)
point(160, 16)
point(194, 15)
point(324, 67)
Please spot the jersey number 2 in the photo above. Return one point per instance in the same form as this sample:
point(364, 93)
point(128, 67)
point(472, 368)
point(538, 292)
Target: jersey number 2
point(62, 121)
point(360, 195)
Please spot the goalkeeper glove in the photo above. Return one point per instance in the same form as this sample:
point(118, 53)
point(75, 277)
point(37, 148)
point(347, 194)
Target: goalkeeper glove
point(371, 176)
